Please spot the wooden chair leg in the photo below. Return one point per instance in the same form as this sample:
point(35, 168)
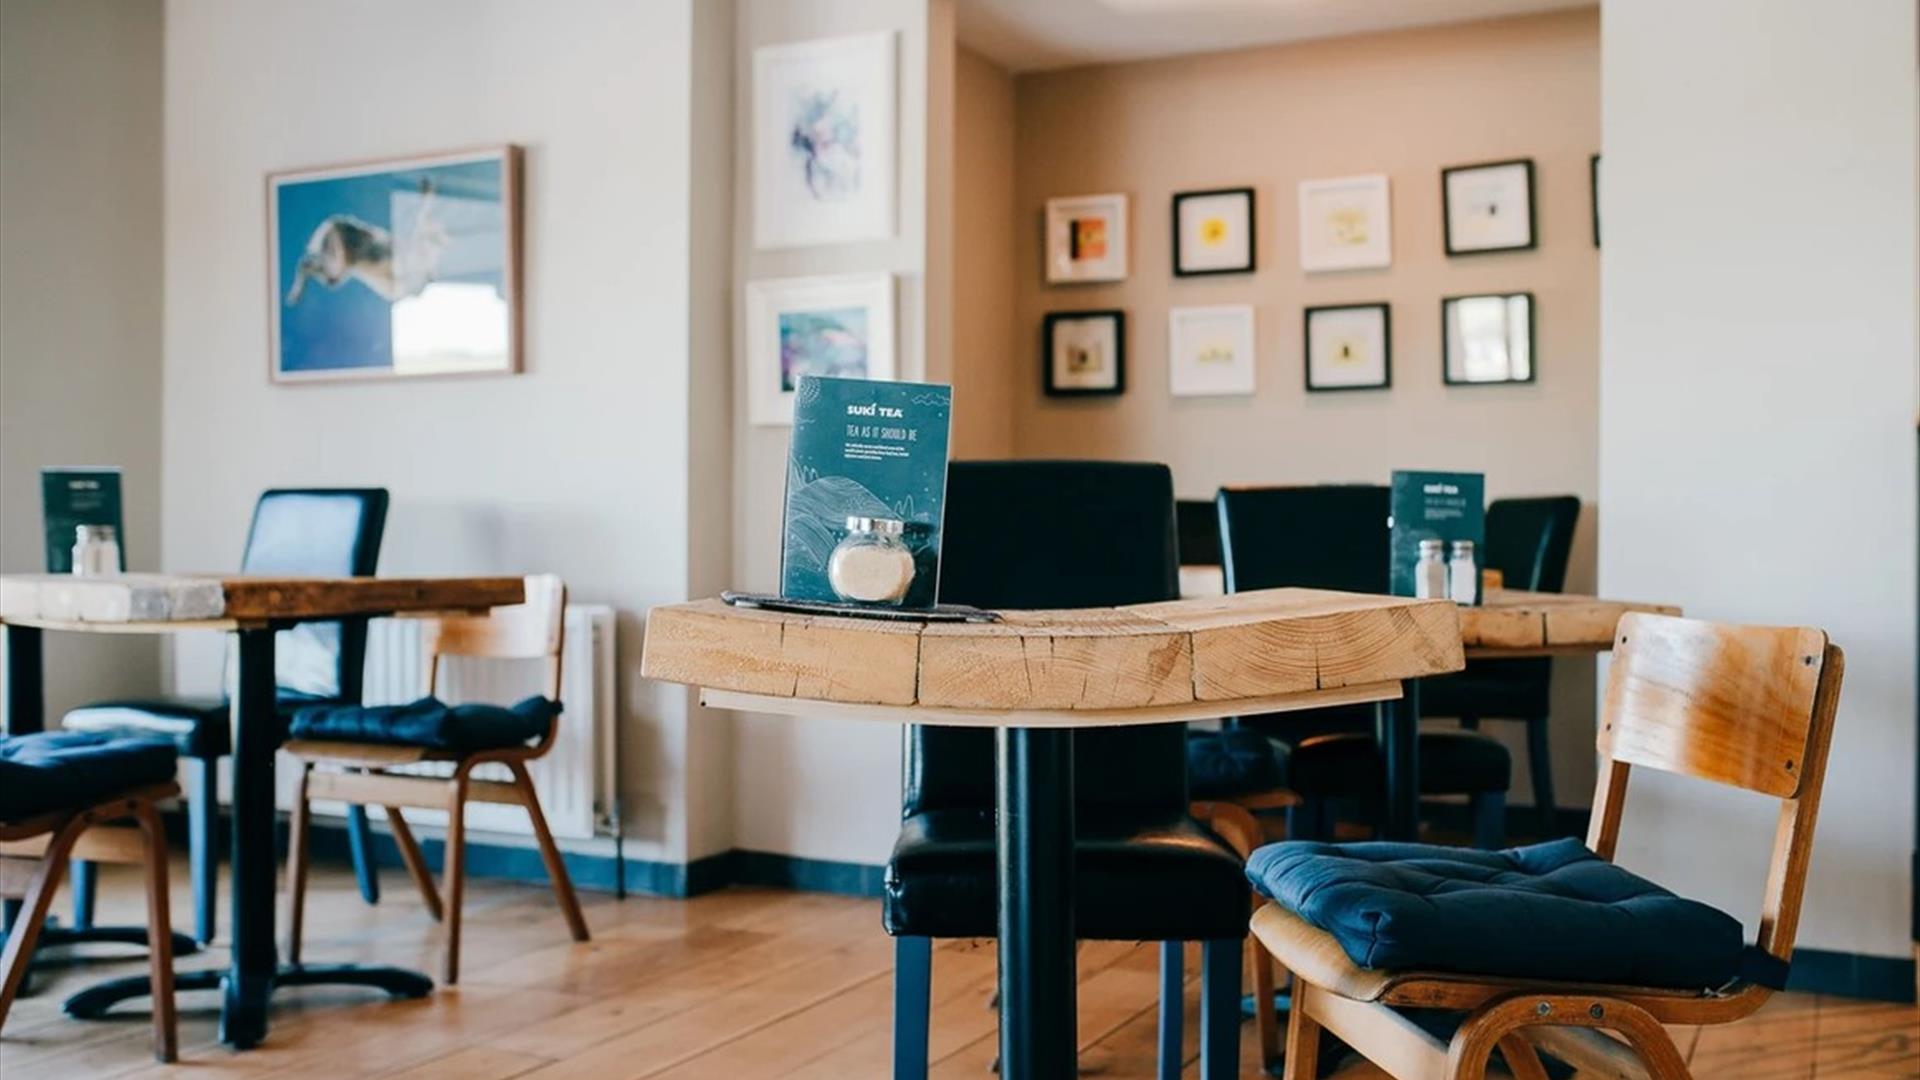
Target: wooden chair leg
point(1266, 1022)
point(456, 870)
point(416, 862)
point(297, 866)
point(1502, 1019)
point(33, 915)
point(166, 1031)
point(1522, 1062)
point(1303, 1034)
point(550, 854)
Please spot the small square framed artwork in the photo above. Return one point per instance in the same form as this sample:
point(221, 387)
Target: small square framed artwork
point(1487, 339)
point(1210, 351)
point(1489, 207)
point(1349, 347)
point(1087, 238)
point(1084, 353)
point(1213, 232)
point(1346, 224)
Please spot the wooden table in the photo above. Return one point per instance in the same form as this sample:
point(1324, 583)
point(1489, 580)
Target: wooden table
point(253, 609)
point(1508, 623)
point(1034, 678)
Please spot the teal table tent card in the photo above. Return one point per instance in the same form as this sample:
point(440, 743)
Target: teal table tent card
point(866, 470)
point(1442, 506)
point(73, 497)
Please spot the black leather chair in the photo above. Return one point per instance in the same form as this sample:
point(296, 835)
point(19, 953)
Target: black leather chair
point(1528, 541)
point(1199, 532)
point(1336, 537)
point(295, 531)
point(1065, 535)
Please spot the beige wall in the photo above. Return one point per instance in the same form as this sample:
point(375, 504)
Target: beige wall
point(987, 352)
point(1405, 104)
point(80, 291)
point(585, 464)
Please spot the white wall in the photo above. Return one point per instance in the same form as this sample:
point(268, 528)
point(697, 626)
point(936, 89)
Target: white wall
point(1757, 402)
point(824, 789)
point(80, 292)
point(585, 464)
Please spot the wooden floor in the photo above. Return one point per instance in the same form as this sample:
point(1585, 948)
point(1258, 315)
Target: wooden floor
point(738, 985)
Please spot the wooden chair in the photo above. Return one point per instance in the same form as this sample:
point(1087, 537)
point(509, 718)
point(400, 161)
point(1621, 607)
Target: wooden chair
point(1748, 706)
point(530, 631)
point(33, 855)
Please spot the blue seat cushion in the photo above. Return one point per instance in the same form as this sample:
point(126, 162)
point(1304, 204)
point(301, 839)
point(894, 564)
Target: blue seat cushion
point(1546, 911)
point(1234, 761)
point(430, 723)
point(61, 771)
point(198, 726)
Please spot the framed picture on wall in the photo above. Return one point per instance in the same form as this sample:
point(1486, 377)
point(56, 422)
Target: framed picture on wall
point(1210, 350)
point(823, 141)
point(838, 326)
point(1593, 187)
point(395, 268)
point(1084, 353)
point(1489, 207)
point(1086, 238)
point(1487, 339)
point(1213, 232)
point(1349, 347)
point(1346, 224)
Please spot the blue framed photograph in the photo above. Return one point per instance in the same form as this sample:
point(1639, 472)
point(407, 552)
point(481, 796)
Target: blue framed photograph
point(396, 268)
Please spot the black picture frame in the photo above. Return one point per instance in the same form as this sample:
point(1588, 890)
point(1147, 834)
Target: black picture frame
point(1533, 338)
point(1593, 188)
point(1253, 233)
point(1051, 320)
point(1386, 337)
point(1533, 207)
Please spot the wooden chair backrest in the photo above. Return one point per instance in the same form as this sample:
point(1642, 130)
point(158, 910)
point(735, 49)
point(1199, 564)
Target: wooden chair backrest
point(1750, 706)
point(532, 630)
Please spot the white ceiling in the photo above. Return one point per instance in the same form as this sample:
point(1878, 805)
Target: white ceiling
point(1033, 35)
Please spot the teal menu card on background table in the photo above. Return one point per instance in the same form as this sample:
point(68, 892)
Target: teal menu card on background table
point(70, 497)
point(868, 449)
point(1442, 506)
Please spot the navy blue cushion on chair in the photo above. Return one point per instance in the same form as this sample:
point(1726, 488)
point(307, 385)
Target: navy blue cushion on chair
point(429, 723)
point(1234, 761)
point(1546, 911)
point(56, 771)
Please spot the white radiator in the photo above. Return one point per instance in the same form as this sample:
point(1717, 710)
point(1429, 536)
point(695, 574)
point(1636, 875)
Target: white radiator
point(576, 778)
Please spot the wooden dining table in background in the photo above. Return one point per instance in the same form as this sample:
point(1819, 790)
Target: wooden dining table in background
point(1508, 623)
point(253, 610)
point(1035, 677)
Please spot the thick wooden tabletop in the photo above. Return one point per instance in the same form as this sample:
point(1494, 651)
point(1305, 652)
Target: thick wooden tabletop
point(1513, 622)
point(1186, 659)
point(148, 603)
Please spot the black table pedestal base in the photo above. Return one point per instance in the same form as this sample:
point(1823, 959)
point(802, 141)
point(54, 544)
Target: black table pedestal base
point(106, 935)
point(243, 1018)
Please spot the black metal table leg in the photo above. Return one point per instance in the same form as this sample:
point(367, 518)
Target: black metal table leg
point(26, 699)
point(249, 982)
point(1035, 848)
point(1399, 737)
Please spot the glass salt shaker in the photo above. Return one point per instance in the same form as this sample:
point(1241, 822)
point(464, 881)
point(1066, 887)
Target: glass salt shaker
point(1430, 573)
point(96, 550)
point(1463, 574)
point(872, 564)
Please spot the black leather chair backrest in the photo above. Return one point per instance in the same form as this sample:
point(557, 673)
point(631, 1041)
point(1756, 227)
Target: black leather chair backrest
point(318, 531)
point(1331, 536)
point(1529, 540)
point(1199, 532)
point(1056, 534)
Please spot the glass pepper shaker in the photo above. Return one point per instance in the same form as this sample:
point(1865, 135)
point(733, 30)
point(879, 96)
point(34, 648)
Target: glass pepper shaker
point(872, 564)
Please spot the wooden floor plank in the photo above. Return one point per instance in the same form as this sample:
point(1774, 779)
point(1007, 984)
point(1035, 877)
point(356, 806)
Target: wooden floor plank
point(743, 984)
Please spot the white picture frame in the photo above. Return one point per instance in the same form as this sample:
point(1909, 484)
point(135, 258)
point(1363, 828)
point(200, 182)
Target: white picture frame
point(1086, 238)
point(1488, 207)
point(1210, 351)
point(1346, 223)
point(824, 137)
point(803, 326)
